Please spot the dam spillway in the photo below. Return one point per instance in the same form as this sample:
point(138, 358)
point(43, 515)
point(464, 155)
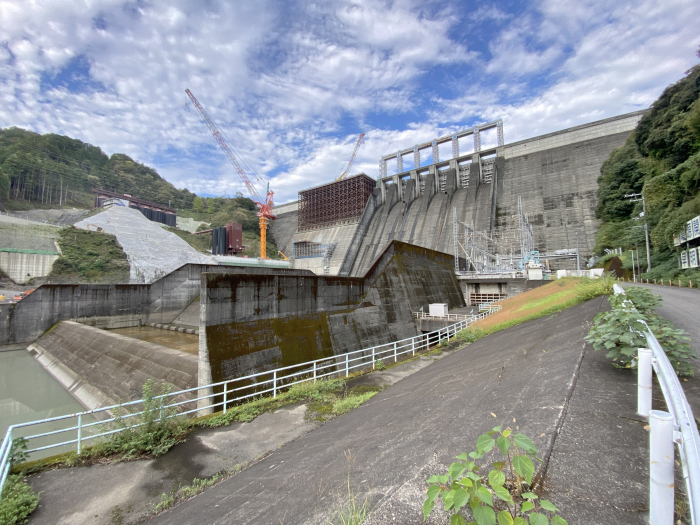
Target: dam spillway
point(554, 174)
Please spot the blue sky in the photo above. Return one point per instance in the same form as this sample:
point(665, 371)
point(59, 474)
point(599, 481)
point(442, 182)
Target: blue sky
point(294, 83)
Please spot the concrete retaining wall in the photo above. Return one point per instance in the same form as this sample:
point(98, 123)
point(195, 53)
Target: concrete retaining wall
point(254, 323)
point(100, 368)
point(21, 267)
point(110, 305)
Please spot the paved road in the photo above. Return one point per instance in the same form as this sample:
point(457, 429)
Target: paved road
point(539, 376)
point(681, 306)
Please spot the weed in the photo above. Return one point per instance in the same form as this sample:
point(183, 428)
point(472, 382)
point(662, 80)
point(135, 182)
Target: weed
point(350, 512)
point(166, 501)
point(503, 494)
point(352, 401)
point(621, 331)
point(158, 427)
point(18, 501)
point(379, 365)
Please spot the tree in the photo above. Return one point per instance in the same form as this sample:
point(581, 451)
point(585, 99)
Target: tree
point(198, 204)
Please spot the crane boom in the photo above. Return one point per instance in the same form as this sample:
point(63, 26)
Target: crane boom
point(352, 157)
point(265, 206)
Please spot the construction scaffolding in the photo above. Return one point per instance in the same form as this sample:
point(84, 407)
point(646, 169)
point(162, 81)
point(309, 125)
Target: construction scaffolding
point(505, 251)
point(335, 203)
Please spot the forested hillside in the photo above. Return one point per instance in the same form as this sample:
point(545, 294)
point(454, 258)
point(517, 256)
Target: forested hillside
point(54, 171)
point(661, 160)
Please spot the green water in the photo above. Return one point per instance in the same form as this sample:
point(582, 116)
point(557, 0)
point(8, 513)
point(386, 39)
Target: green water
point(27, 393)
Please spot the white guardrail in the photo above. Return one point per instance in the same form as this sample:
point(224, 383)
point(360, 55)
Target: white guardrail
point(229, 392)
point(666, 428)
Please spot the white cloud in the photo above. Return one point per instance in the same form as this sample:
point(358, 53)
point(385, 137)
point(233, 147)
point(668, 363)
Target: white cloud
point(289, 82)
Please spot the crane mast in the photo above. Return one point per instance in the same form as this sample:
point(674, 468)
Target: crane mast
point(265, 206)
point(352, 157)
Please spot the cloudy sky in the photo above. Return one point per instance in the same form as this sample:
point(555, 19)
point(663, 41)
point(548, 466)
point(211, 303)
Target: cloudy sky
point(293, 83)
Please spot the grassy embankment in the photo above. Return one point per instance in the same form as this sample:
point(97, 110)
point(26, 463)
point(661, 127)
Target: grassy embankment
point(89, 256)
point(544, 300)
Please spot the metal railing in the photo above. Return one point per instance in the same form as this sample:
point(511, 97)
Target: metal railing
point(222, 394)
point(666, 428)
point(485, 307)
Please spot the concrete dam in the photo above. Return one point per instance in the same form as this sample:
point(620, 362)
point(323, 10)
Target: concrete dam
point(555, 175)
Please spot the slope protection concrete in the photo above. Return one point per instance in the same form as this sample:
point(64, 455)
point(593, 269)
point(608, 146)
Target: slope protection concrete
point(100, 368)
point(152, 251)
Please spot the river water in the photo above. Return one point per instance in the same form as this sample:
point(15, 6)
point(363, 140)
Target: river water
point(27, 393)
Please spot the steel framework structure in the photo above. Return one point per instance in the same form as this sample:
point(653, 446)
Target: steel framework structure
point(499, 251)
point(340, 202)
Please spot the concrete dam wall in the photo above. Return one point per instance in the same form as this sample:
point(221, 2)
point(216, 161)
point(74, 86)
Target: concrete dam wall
point(555, 175)
point(252, 323)
point(110, 305)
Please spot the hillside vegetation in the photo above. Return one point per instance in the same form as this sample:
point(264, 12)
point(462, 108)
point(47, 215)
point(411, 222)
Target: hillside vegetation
point(660, 159)
point(89, 256)
point(54, 171)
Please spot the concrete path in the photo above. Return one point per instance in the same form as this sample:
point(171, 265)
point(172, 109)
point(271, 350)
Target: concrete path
point(538, 377)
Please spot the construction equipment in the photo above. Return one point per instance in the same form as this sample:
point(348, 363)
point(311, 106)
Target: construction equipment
point(352, 157)
point(284, 257)
point(265, 206)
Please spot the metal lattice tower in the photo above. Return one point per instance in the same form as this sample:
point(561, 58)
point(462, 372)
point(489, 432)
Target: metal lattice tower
point(499, 251)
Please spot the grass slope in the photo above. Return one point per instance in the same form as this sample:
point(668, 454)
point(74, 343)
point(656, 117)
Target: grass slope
point(89, 256)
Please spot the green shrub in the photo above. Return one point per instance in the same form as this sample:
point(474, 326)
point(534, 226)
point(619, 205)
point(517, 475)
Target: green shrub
point(591, 288)
point(18, 501)
point(621, 331)
point(503, 495)
point(159, 427)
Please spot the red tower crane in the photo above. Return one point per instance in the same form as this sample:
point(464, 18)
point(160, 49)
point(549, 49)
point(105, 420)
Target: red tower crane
point(265, 211)
point(352, 157)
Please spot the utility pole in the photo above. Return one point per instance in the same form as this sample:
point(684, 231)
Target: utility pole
point(635, 197)
point(634, 275)
point(578, 262)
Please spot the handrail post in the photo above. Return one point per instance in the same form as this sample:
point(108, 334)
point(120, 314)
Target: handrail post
point(347, 371)
point(394, 351)
point(644, 370)
point(661, 456)
point(413, 346)
point(225, 392)
point(274, 384)
point(372, 358)
point(314, 371)
point(80, 432)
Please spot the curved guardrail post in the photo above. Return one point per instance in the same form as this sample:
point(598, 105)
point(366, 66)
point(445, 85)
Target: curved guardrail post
point(644, 382)
point(661, 504)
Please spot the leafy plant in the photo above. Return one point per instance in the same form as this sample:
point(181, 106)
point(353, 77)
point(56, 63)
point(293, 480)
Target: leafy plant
point(18, 452)
point(591, 288)
point(153, 432)
point(503, 494)
point(18, 501)
point(379, 365)
point(621, 331)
